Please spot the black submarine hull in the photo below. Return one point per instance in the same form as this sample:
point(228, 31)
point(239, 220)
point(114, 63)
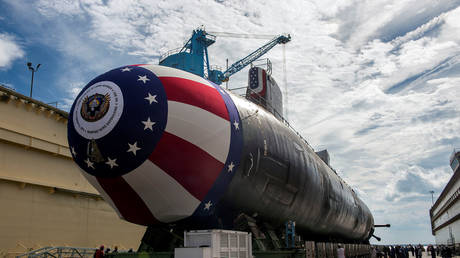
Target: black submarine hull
point(281, 178)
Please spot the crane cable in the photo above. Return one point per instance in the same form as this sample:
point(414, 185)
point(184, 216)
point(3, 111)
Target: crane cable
point(240, 35)
point(286, 115)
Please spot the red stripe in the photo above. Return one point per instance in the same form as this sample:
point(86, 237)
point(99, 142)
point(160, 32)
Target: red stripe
point(130, 205)
point(189, 165)
point(196, 94)
point(264, 83)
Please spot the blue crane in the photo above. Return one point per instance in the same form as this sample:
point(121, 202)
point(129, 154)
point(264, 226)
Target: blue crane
point(193, 56)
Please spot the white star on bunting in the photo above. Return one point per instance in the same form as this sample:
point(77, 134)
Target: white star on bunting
point(151, 98)
point(126, 69)
point(237, 125)
point(89, 163)
point(207, 205)
point(133, 148)
point(73, 152)
point(112, 162)
point(230, 167)
point(144, 78)
point(148, 124)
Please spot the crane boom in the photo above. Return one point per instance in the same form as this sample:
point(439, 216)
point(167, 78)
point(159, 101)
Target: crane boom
point(238, 65)
point(193, 56)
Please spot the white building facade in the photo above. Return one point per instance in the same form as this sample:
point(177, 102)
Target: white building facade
point(445, 213)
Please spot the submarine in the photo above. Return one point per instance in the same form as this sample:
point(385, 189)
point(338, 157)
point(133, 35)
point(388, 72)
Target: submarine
point(167, 147)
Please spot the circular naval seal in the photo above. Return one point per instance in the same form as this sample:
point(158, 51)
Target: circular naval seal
point(95, 107)
point(98, 110)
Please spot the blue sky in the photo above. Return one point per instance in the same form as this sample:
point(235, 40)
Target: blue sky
point(376, 82)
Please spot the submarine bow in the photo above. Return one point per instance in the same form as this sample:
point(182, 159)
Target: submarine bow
point(159, 144)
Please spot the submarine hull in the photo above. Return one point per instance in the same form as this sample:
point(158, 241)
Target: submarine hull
point(281, 178)
point(164, 146)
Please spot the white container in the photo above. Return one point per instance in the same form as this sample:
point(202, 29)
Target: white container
point(223, 243)
point(193, 252)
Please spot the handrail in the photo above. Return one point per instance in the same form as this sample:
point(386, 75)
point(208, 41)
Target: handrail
point(33, 251)
point(170, 52)
point(59, 252)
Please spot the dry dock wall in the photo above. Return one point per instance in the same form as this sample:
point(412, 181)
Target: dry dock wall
point(44, 199)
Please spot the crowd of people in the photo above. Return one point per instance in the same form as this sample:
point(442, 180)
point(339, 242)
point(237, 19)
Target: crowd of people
point(406, 251)
point(101, 252)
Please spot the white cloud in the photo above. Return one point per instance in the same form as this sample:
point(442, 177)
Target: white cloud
point(73, 90)
point(54, 8)
point(10, 50)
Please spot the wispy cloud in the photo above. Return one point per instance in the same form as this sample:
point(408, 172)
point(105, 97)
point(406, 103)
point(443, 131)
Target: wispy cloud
point(10, 50)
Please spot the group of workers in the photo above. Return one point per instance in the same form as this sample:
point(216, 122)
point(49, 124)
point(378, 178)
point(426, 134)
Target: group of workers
point(417, 251)
point(101, 252)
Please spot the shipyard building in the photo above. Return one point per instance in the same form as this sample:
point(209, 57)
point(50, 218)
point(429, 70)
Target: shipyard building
point(44, 199)
point(445, 213)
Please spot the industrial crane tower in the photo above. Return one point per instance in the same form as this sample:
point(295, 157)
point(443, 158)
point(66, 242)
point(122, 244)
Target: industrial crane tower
point(193, 56)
